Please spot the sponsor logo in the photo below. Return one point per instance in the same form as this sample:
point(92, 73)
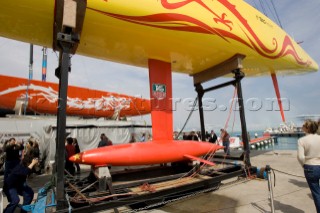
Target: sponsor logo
point(159, 91)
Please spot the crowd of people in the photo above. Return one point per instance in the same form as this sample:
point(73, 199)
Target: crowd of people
point(144, 137)
point(210, 137)
point(196, 136)
point(20, 161)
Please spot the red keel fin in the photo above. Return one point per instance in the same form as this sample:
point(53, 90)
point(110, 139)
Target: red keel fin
point(161, 99)
point(276, 87)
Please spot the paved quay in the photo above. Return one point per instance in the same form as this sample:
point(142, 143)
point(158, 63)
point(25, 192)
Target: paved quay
point(291, 192)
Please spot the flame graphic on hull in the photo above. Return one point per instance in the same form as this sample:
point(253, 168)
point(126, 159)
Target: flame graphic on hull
point(43, 98)
point(224, 27)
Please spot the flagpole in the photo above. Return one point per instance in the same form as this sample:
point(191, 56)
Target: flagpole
point(30, 77)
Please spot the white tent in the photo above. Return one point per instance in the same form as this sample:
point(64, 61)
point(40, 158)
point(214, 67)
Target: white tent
point(87, 132)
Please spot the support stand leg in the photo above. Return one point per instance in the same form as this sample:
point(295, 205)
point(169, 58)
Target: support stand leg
point(105, 181)
point(68, 22)
point(268, 170)
point(62, 74)
point(111, 189)
point(200, 92)
point(1, 200)
point(246, 158)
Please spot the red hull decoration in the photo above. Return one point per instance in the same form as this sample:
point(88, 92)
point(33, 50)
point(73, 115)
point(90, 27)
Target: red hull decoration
point(144, 153)
point(43, 99)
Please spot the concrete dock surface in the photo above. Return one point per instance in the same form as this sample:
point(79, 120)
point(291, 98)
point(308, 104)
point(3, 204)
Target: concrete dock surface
point(291, 192)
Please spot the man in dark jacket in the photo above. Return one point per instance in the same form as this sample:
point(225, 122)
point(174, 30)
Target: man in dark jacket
point(16, 184)
point(12, 149)
point(213, 137)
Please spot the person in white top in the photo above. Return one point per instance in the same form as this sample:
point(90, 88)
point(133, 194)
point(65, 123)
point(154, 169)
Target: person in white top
point(309, 158)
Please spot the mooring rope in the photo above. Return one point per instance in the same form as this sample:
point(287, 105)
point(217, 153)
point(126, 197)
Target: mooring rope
point(287, 173)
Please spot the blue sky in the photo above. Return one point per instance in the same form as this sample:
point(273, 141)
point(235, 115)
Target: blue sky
point(299, 18)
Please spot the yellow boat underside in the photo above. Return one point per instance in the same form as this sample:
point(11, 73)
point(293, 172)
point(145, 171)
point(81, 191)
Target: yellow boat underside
point(192, 35)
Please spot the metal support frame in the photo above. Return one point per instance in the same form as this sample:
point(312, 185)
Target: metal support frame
point(200, 92)
point(238, 76)
point(112, 191)
point(62, 73)
point(68, 23)
point(268, 170)
point(68, 14)
point(232, 65)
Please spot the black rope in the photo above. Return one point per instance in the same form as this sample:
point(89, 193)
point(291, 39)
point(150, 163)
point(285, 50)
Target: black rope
point(256, 6)
point(272, 12)
point(288, 173)
point(274, 177)
point(262, 7)
point(184, 125)
point(276, 13)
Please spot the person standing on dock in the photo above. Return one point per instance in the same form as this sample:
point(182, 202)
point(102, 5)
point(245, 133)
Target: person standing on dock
point(105, 141)
point(309, 158)
point(132, 139)
point(77, 151)
point(193, 136)
point(143, 137)
point(225, 137)
point(70, 151)
point(213, 137)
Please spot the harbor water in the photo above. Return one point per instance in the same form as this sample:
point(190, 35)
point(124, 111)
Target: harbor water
point(281, 143)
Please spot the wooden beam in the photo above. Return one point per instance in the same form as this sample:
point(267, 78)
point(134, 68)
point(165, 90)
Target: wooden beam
point(224, 68)
point(69, 14)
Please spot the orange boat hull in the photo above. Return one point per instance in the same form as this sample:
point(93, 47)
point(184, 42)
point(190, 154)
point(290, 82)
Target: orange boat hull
point(144, 153)
point(43, 99)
